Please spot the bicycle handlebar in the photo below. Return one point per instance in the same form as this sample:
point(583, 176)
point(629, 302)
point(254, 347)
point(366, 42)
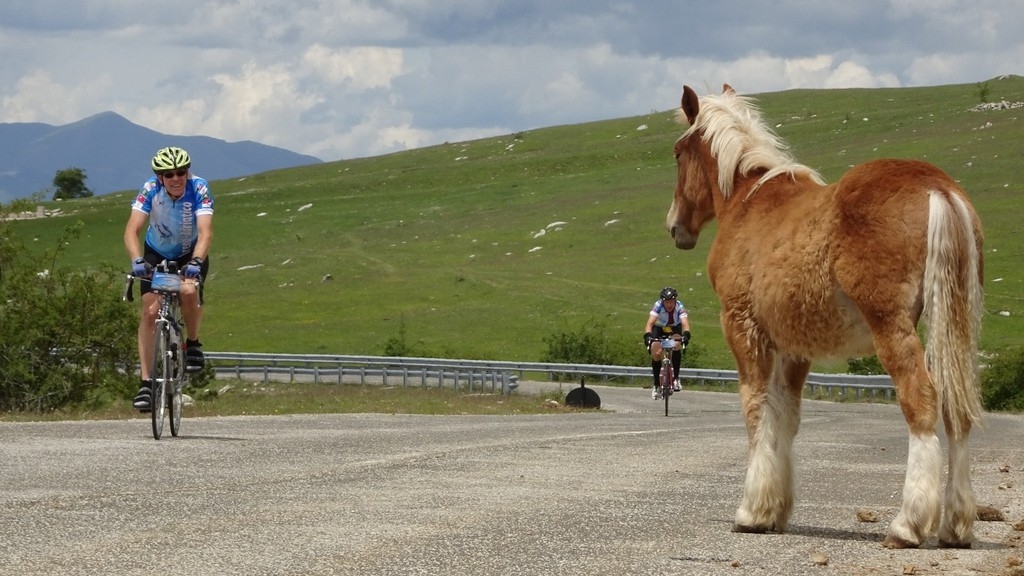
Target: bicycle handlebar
point(669, 343)
point(165, 267)
point(128, 296)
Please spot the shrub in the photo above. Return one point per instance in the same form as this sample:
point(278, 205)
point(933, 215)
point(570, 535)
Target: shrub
point(1002, 382)
point(65, 337)
point(398, 345)
point(867, 366)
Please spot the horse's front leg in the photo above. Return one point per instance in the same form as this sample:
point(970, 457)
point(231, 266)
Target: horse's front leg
point(770, 390)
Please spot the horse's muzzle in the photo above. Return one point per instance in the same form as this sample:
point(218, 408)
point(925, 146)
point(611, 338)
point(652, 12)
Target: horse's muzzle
point(683, 239)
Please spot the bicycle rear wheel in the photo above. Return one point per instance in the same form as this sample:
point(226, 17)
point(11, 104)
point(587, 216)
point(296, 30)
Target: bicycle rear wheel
point(161, 376)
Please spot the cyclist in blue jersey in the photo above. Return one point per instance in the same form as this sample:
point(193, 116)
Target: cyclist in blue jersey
point(668, 316)
point(179, 210)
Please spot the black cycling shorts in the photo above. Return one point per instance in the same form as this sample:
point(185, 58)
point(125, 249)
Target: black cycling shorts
point(663, 331)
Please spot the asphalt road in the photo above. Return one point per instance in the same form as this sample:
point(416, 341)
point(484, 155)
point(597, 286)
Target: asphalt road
point(628, 491)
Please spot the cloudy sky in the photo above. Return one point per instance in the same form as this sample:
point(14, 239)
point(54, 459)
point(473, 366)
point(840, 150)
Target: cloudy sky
point(353, 78)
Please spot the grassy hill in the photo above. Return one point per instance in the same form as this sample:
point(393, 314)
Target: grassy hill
point(481, 249)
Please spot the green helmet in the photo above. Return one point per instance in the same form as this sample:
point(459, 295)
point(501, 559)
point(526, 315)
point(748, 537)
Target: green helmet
point(170, 158)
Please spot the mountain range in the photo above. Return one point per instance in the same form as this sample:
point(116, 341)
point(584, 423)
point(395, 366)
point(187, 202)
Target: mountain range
point(115, 155)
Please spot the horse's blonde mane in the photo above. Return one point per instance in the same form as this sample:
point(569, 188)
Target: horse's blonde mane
point(741, 142)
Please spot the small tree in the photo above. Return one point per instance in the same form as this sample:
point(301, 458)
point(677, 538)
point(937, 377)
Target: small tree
point(983, 91)
point(70, 184)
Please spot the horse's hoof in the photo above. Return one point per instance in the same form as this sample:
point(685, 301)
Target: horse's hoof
point(959, 545)
point(750, 529)
point(897, 542)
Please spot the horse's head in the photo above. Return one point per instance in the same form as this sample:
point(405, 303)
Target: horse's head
point(726, 140)
point(694, 203)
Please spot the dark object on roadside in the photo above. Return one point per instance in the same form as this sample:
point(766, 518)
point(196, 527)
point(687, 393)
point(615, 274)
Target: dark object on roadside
point(583, 397)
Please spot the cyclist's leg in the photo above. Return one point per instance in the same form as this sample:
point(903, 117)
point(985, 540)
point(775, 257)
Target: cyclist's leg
point(191, 297)
point(147, 321)
point(656, 353)
point(677, 360)
point(147, 318)
point(192, 313)
point(673, 331)
point(677, 353)
point(655, 360)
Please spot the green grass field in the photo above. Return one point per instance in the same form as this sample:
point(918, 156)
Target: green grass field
point(481, 249)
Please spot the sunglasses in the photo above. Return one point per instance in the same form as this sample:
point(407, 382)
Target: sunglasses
point(172, 174)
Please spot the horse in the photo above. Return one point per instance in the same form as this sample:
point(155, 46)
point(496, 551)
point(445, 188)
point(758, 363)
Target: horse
point(806, 270)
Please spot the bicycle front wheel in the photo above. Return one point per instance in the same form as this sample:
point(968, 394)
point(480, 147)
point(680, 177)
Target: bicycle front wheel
point(667, 379)
point(161, 376)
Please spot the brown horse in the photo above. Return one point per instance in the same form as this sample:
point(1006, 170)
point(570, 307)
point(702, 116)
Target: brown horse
point(806, 270)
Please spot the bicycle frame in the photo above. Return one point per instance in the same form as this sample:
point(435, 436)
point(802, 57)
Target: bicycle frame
point(167, 371)
point(668, 376)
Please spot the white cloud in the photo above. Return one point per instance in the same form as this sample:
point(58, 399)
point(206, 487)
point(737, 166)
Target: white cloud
point(348, 78)
point(38, 97)
point(360, 68)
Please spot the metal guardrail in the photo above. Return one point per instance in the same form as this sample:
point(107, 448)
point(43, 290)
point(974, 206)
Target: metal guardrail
point(496, 374)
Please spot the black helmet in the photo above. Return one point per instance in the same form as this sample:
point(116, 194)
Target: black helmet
point(668, 293)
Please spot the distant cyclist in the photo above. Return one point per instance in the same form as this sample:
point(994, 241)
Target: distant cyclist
point(667, 317)
point(179, 209)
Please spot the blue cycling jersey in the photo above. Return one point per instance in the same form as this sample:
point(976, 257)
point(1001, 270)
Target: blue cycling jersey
point(172, 223)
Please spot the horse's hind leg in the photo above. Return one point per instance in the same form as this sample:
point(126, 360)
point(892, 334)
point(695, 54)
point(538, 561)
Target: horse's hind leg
point(771, 407)
point(918, 518)
point(956, 530)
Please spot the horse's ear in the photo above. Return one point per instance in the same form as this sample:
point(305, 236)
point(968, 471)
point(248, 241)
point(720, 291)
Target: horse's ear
point(691, 104)
point(726, 89)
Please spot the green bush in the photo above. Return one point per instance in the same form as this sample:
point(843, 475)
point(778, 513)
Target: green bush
point(1002, 382)
point(65, 336)
point(590, 344)
point(867, 366)
point(398, 345)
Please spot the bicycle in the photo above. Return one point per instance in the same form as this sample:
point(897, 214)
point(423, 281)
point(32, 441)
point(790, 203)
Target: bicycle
point(666, 380)
point(168, 371)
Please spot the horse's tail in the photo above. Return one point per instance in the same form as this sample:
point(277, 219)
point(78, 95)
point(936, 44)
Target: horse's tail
point(953, 300)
